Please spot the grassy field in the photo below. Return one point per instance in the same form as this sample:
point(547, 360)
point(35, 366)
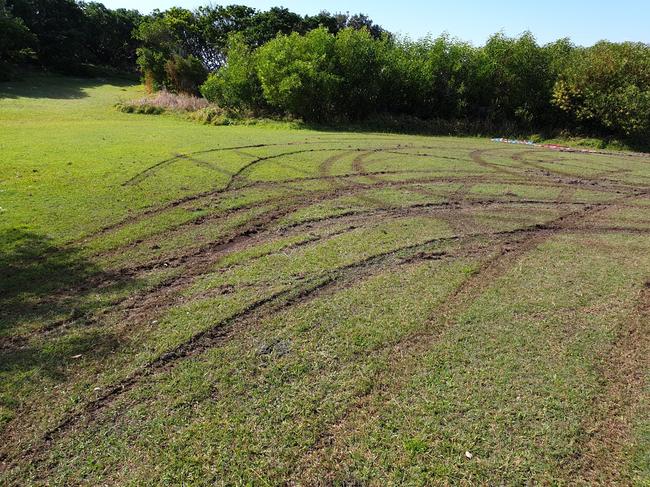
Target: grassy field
point(186, 304)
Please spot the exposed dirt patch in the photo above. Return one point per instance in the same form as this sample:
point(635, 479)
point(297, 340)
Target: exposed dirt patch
point(317, 464)
point(499, 250)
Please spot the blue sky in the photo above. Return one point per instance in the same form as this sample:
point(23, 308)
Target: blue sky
point(584, 21)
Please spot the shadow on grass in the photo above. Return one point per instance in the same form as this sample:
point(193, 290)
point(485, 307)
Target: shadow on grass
point(51, 358)
point(409, 125)
point(50, 86)
point(40, 281)
point(41, 285)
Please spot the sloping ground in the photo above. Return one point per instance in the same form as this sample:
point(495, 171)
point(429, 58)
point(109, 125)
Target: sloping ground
point(246, 305)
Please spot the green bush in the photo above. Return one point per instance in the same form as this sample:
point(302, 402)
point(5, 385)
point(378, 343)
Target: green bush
point(170, 51)
point(352, 75)
point(236, 85)
point(152, 65)
point(210, 116)
point(358, 59)
point(607, 87)
point(139, 108)
point(297, 74)
point(185, 74)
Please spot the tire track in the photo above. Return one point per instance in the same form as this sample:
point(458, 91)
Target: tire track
point(573, 178)
point(310, 466)
point(136, 179)
point(386, 183)
point(325, 168)
point(200, 260)
point(213, 192)
point(260, 230)
point(219, 332)
point(477, 157)
point(208, 165)
point(602, 453)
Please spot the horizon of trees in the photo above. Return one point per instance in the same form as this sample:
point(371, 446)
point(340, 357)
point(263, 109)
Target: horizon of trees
point(352, 76)
point(338, 67)
point(65, 35)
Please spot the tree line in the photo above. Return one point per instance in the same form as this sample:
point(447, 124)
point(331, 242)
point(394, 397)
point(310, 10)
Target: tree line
point(340, 67)
point(66, 35)
point(352, 75)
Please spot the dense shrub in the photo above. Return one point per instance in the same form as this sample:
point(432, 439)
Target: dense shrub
point(142, 108)
point(185, 74)
point(108, 35)
point(211, 115)
point(509, 82)
point(256, 28)
point(165, 37)
point(321, 76)
point(297, 74)
point(430, 78)
point(358, 59)
point(58, 25)
point(70, 34)
point(340, 68)
point(152, 66)
point(607, 87)
point(16, 40)
point(204, 34)
point(236, 85)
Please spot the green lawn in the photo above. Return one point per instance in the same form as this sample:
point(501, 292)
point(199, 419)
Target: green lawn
point(199, 305)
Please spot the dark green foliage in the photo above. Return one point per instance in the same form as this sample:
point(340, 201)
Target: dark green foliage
point(236, 85)
point(266, 25)
point(358, 64)
point(607, 87)
point(297, 74)
point(321, 76)
point(510, 82)
point(166, 37)
point(66, 35)
point(16, 40)
point(185, 74)
point(519, 82)
point(432, 78)
point(340, 67)
point(172, 46)
point(70, 35)
point(59, 27)
point(144, 109)
point(204, 34)
point(217, 23)
point(108, 35)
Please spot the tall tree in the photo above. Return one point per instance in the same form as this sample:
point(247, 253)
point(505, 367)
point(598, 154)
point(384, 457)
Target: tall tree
point(109, 35)
point(16, 40)
point(216, 24)
point(59, 27)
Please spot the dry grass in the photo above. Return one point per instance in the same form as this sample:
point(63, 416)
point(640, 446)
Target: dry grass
point(165, 101)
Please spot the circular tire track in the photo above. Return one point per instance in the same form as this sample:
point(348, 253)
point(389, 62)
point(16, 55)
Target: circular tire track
point(257, 231)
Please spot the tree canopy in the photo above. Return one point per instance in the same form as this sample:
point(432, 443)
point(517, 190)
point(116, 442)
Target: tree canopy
point(338, 67)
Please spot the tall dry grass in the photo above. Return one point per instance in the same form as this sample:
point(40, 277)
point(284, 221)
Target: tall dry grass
point(165, 101)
